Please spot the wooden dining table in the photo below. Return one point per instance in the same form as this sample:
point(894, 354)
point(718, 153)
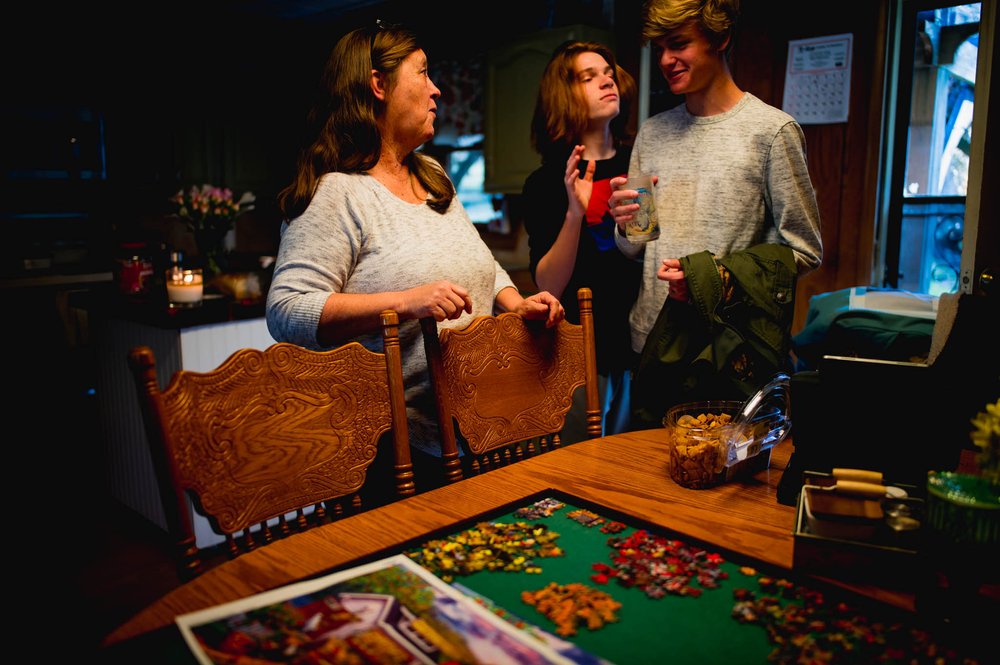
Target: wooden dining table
point(626, 472)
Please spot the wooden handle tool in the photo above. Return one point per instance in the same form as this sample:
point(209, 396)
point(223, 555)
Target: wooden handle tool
point(858, 488)
point(861, 475)
point(847, 498)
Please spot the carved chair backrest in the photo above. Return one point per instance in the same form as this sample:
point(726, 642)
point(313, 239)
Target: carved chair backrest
point(508, 384)
point(284, 432)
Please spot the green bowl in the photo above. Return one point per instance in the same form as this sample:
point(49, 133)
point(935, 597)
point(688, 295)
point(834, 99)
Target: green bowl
point(963, 508)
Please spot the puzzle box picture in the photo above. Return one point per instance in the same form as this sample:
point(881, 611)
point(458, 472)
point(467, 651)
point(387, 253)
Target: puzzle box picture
point(390, 610)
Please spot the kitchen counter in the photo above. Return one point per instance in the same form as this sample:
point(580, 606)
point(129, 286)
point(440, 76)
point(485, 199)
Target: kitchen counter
point(56, 280)
point(154, 311)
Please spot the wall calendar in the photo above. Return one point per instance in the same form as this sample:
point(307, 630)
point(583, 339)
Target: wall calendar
point(818, 79)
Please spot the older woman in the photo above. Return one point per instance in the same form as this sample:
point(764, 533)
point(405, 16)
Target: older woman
point(371, 224)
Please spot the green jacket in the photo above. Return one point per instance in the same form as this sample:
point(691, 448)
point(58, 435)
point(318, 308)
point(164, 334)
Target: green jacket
point(727, 342)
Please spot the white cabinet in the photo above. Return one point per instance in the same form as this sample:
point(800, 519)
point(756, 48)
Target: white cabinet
point(513, 73)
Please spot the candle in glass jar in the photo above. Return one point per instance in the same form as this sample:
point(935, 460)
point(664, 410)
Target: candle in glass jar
point(184, 287)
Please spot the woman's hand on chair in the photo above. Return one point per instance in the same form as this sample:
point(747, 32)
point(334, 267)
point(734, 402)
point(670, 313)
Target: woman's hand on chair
point(542, 306)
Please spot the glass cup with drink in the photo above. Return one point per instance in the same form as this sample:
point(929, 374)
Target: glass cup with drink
point(643, 226)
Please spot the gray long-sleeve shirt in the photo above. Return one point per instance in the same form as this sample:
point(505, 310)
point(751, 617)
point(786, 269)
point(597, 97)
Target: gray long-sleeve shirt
point(726, 182)
point(358, 237)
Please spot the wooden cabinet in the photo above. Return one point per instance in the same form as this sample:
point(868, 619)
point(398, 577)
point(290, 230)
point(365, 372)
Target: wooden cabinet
point(513, 73)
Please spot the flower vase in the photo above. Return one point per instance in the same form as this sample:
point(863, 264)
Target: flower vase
point(212, 252)
point(210, 212)
point(213, 263)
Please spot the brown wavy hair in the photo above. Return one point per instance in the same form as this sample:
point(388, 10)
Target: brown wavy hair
point(716, 18)
point(342, 119)
point(560, 116)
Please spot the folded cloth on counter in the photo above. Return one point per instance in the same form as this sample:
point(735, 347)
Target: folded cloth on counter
point(862, 322)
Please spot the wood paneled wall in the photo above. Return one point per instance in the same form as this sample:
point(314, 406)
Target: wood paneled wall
point(843, 157)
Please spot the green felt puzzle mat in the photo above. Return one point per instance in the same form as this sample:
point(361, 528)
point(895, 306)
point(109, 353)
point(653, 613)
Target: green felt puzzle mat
point(659, 597)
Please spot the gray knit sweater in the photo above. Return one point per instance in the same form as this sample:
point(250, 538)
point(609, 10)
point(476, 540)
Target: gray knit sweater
point(358, 237)
point(726, 182)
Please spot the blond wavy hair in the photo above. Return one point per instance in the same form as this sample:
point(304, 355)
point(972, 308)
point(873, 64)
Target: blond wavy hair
point(716, 18)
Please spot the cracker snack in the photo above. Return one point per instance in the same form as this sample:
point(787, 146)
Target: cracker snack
point(698, 437)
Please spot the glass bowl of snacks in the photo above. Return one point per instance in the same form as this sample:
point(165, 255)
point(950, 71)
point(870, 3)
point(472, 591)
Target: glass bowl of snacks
point(712, 442)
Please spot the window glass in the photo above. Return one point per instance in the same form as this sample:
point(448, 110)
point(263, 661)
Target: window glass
point(467, 169)
point(944, 79)
point(938, 146)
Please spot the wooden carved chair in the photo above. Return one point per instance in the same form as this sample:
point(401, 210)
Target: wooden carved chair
point(272, 433)
point(508, 384)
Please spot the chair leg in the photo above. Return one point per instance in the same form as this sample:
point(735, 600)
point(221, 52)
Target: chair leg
point(189, 558)
point(404, 479)
point(452, 467)
point(334, 509)
point(283, 526)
